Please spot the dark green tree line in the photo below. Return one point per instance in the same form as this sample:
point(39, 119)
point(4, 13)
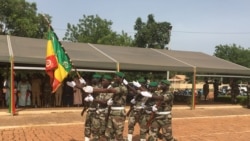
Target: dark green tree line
point(233, 53)
point(93, 29)
point(20, 18)
point(152, 34)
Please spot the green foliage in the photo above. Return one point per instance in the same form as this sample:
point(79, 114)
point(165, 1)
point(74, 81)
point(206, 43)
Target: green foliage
point(19, 18)
point(152, 34)
point(152, 76)
point(224, 99)
point(93, 29)
point(233, 53)
point(242, 100)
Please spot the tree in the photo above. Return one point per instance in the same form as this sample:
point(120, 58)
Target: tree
point(116, 39)
point(152, 34)
point(233, 53)
point(93, 29)
point(19, 18)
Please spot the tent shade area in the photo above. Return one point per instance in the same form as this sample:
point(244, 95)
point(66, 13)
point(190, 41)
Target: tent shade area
point(32, 52)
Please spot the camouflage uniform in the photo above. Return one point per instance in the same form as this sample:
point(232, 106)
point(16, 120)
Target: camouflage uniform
point(91, 120)
point(163, 118)
point(117, 116)
point(144, 128)
point(136, 115)
point(137, 111)
point(101, 114)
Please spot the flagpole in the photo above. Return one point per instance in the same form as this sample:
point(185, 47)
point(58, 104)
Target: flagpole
point(12, 93)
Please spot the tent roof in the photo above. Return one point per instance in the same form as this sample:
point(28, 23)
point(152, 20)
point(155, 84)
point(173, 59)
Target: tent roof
point(4, 53)
point(205, 63)
point(30, 51)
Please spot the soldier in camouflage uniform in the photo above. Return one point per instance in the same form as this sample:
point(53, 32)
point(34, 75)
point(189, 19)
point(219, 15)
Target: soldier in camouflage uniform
point(89, 120)
point(152, 88)
point(101, 110)
point(136, 112)
point(117, 115)
point(162, 116)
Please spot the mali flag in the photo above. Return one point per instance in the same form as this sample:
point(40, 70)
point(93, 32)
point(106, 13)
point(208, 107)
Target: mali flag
point(58, 64)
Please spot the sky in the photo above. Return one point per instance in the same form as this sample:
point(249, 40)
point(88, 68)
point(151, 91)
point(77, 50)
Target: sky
point(198, 25)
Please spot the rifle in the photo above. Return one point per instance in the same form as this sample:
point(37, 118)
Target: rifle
point(84, 109)
point(152, 115)
point(130, 109)
point(135, 97)
point(132, 105)
point(107, 115)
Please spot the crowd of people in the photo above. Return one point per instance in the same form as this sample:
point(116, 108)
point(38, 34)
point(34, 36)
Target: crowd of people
point(105, 99)
point(35, 91)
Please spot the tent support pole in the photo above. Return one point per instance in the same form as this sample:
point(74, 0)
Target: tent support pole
point(12, 97)
point(118, 66)
point(193, 90)
point(168, 75)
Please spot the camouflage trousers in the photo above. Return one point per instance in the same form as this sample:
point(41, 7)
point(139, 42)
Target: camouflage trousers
point(88, 122)
point(161, 127)
point(102, 115)
point(143, 125)
point(115, 126)
point(138, 116)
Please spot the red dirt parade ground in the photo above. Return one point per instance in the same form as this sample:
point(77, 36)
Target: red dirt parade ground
point(204, 123)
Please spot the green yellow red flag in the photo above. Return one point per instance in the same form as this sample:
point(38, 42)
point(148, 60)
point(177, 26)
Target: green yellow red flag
point(58, 64)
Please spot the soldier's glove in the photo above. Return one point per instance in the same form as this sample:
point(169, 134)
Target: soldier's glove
point(71, 83)
point(154, 108)
point(110, 102)
point(133, 101)
point(146, 94)
point(125, 82)
point(137, 84)
point(88, 89)
point(97, 111)
point(82, 81)
point(86, 99)
point(109, 87)
point(5, 83)
point(91, 98)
